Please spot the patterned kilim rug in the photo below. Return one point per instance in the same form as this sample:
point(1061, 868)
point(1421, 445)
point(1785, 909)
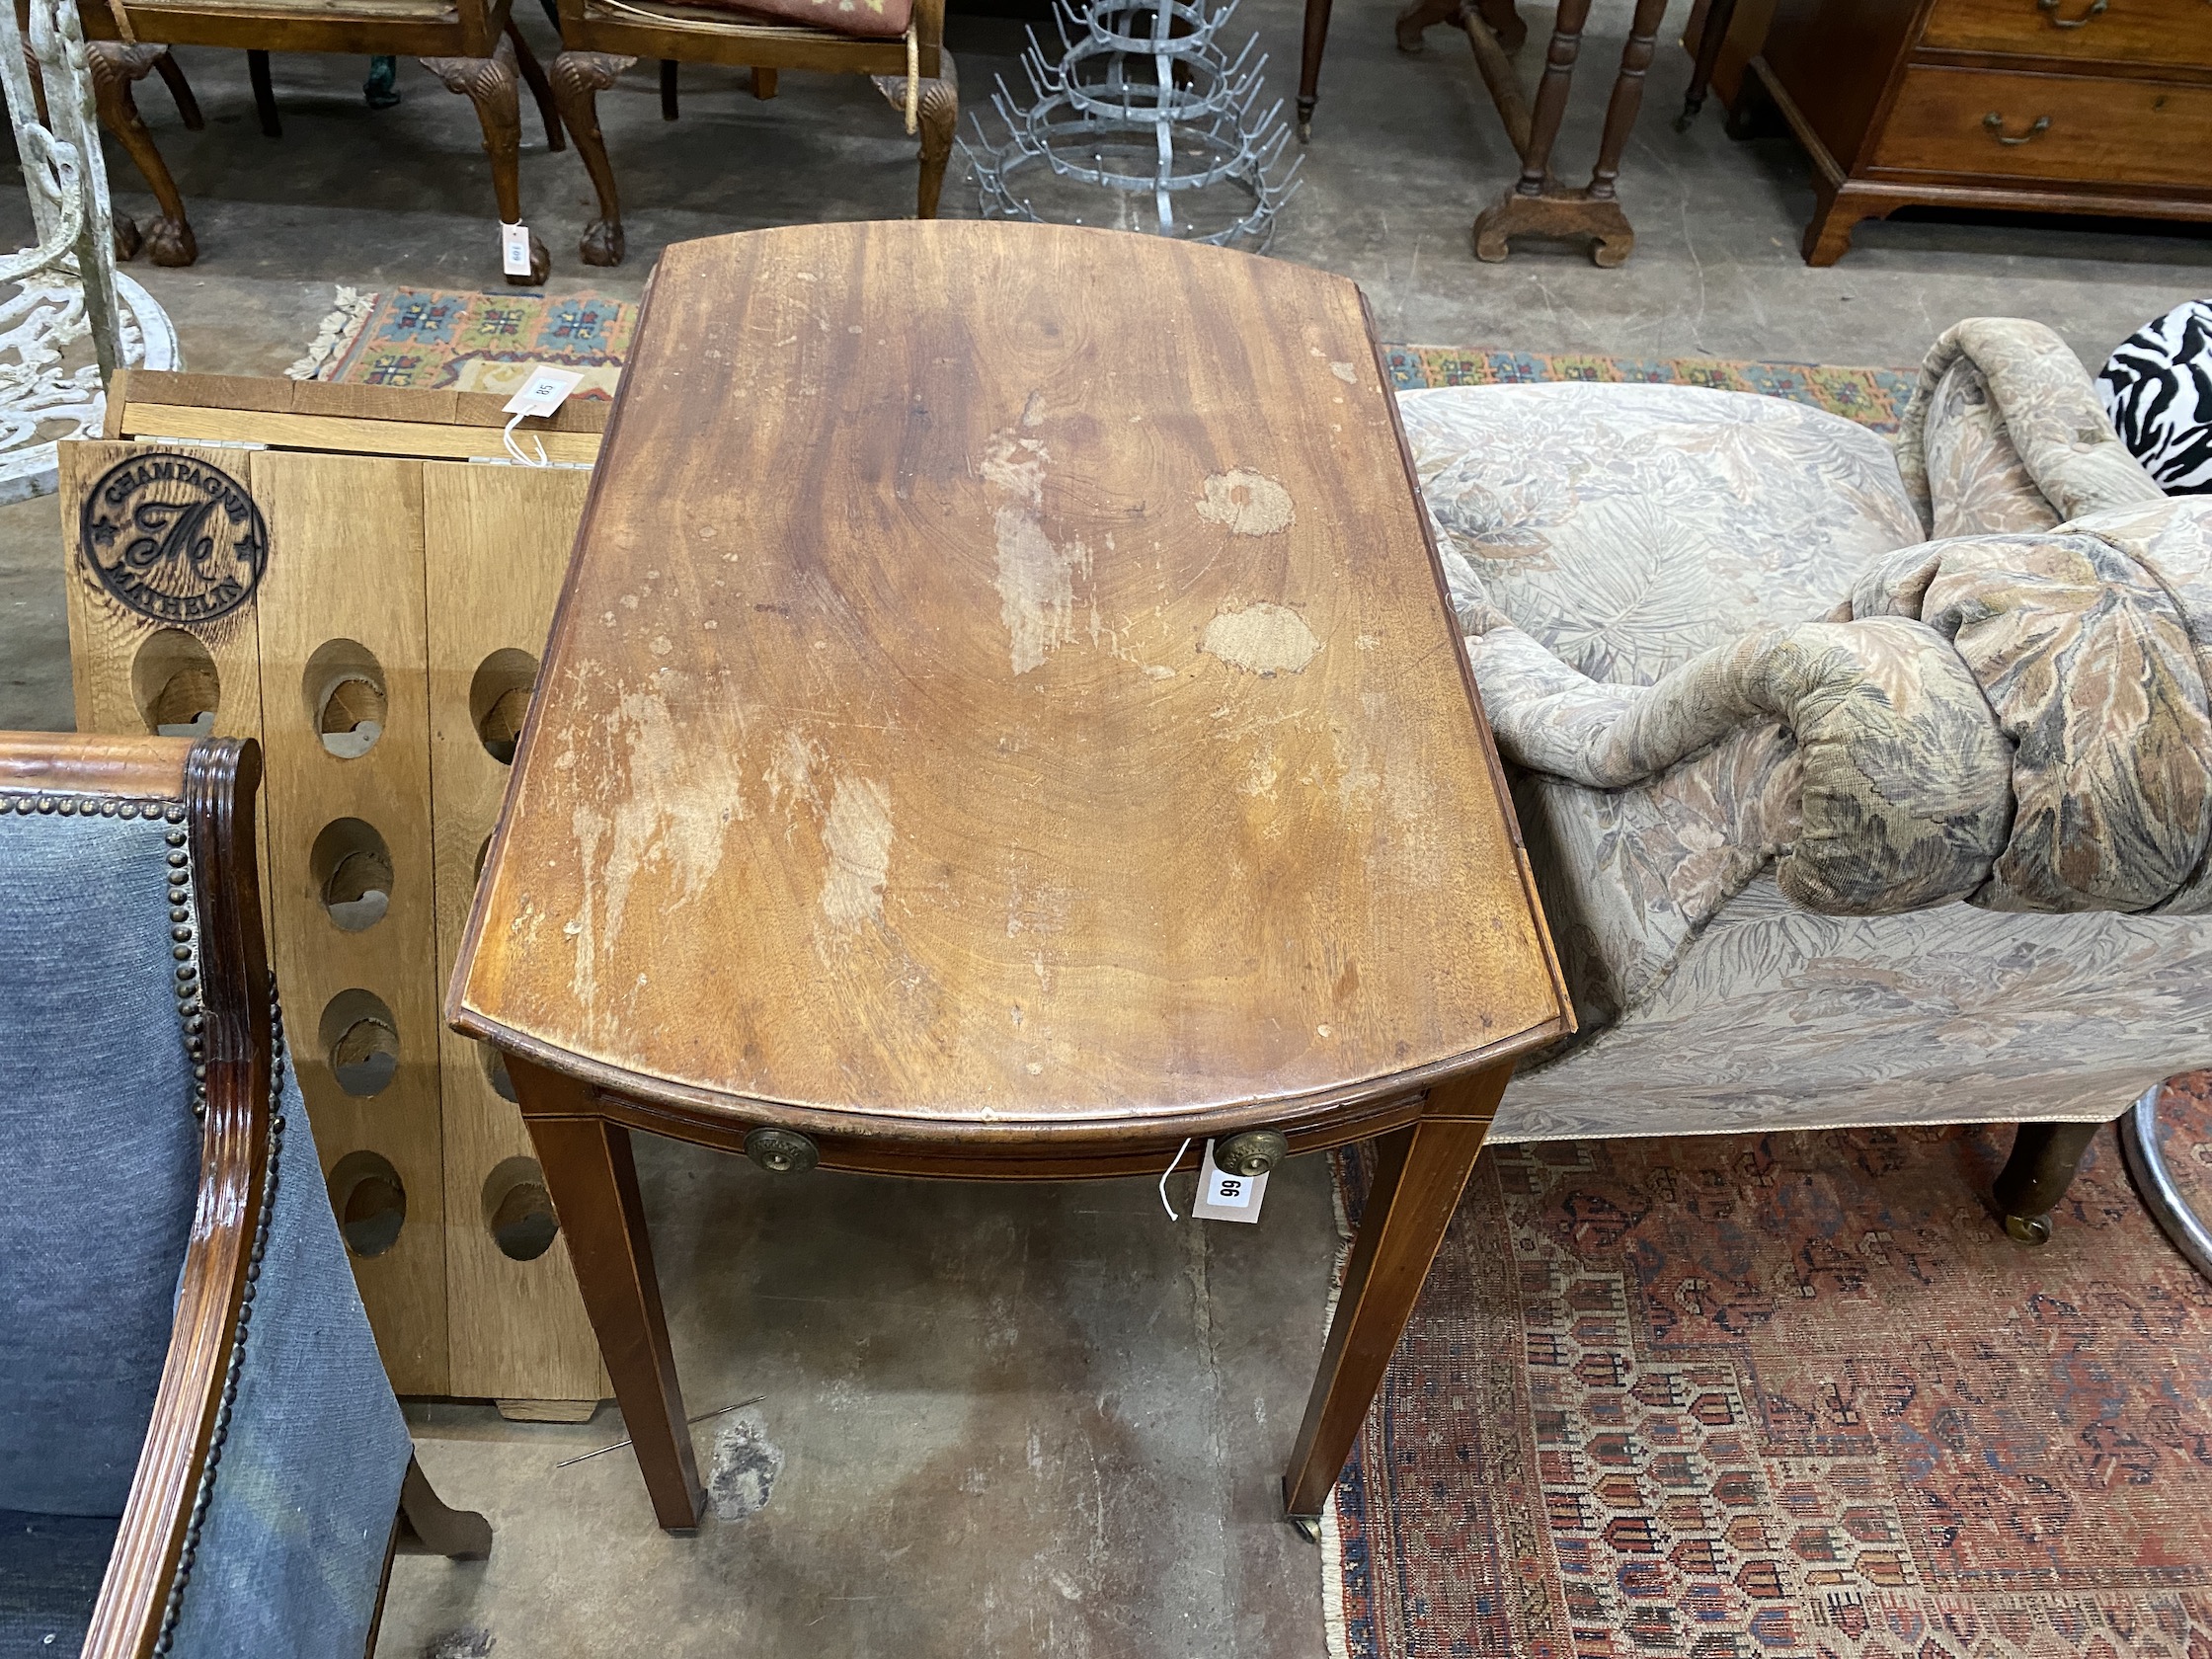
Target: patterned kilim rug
point(475, 341)
point(485, 342)
point(1788, 1396)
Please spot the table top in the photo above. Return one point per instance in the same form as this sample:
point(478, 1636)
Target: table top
point(1003, 690)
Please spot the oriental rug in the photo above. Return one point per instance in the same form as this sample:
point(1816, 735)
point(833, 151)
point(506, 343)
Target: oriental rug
point(486, 343)
point(437, 338)
point(1788, 1396)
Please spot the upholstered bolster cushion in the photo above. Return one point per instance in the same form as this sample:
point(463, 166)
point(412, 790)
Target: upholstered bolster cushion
point(2022, 722)
point(2037, 392)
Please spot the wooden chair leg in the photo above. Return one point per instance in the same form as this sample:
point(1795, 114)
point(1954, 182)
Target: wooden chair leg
point(171, 74)
point(265, 94)
point(578, 78)
point(533, 76)
point(114, 67)
point(1310, 50)
point(593, 1185)
point(428, 1527)
point(936, 119)
point(667, 88)
point(2045, 1156)
point(489, 84)
point(1720, 17)
point(1418, 1179)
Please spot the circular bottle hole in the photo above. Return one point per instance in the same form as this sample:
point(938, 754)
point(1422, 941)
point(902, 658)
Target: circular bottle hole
point(352, 869)
point(343, 686)
point(362, 1040)
point(495, 1072)
point(517, 1212)
point(173, 682)
point(371, 1202)
point(498, 699)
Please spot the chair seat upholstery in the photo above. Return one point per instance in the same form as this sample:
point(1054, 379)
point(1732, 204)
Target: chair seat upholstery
point(50, 1568)
point(1617, 532)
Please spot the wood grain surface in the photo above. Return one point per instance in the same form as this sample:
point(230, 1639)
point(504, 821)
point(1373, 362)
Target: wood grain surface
point(1005, 690)
point(517, 1327)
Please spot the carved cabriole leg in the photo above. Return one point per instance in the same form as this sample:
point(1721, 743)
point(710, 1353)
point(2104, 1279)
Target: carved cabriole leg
point(533, 75)
point(490, 84)
point(579, 78)
point(1419, 1176)
point(1419, 17)
point(2035, 1177)
point(115, 65)
point(171, 74)
point(939, 118)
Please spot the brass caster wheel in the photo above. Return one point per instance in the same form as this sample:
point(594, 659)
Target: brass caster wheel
point(1253, 1153)
point(2029, 1229)
point(781, 1152)
point(1308, 1527)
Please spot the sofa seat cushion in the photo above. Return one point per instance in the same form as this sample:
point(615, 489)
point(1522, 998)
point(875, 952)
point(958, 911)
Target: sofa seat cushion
point(1628, 528)
point(50, 1568)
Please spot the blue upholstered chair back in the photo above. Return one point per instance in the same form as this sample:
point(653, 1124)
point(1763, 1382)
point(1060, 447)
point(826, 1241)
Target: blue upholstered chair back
point(99, 1149)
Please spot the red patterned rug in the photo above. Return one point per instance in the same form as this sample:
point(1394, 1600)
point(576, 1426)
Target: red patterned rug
point(1789, 1396)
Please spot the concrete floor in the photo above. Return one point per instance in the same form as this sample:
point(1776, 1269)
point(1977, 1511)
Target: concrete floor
point(1009, 1420)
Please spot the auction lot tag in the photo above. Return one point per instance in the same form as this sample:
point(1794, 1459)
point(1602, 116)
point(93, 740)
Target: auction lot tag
point(1223, 1197)
point(514, 250)
point(543, 391)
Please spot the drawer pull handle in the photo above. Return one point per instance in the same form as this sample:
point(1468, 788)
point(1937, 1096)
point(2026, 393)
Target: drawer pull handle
point(2050, 9)
point(1996, 124)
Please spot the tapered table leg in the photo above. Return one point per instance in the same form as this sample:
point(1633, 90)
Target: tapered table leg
point(594, 1184)
point(1418, 1180)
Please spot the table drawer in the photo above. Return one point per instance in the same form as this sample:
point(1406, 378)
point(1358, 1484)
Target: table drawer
point(2175, 31)
point(2072, 128)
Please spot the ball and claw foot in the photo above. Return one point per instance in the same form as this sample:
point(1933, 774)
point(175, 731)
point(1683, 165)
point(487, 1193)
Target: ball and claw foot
point(541, 266)
point(603, 243)
point(170, 242)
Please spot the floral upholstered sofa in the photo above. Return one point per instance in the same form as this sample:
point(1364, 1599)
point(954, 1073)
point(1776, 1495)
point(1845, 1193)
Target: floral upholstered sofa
point(1865, 785)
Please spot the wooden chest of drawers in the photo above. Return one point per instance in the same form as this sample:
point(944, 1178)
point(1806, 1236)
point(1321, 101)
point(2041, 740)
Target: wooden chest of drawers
point(2066, 106)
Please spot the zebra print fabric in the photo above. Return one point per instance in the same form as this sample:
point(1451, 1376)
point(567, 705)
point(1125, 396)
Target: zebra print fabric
point(2158, 389)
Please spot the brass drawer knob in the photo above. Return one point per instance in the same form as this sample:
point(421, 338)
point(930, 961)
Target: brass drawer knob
point(1253, 1153)
point(781, 1152)
point(2049, 8)
point(1996, 124)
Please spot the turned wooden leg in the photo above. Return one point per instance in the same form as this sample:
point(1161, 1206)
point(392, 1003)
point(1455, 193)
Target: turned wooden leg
point(1552, 95)
point(1309, 65)
point(1627, 97)
point(489, 83)
point(578, 79)
point(1720, 17)
point(264, 94)
point(667, 88)
point(171, 74)
point(114, 67)
point(1418, 1179)
point(1418, 17)
point(937, 117)
point(533, 76)
point(1505, 23)
point(427, 1527)
point(594, 1184)
point(2035, 1177)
